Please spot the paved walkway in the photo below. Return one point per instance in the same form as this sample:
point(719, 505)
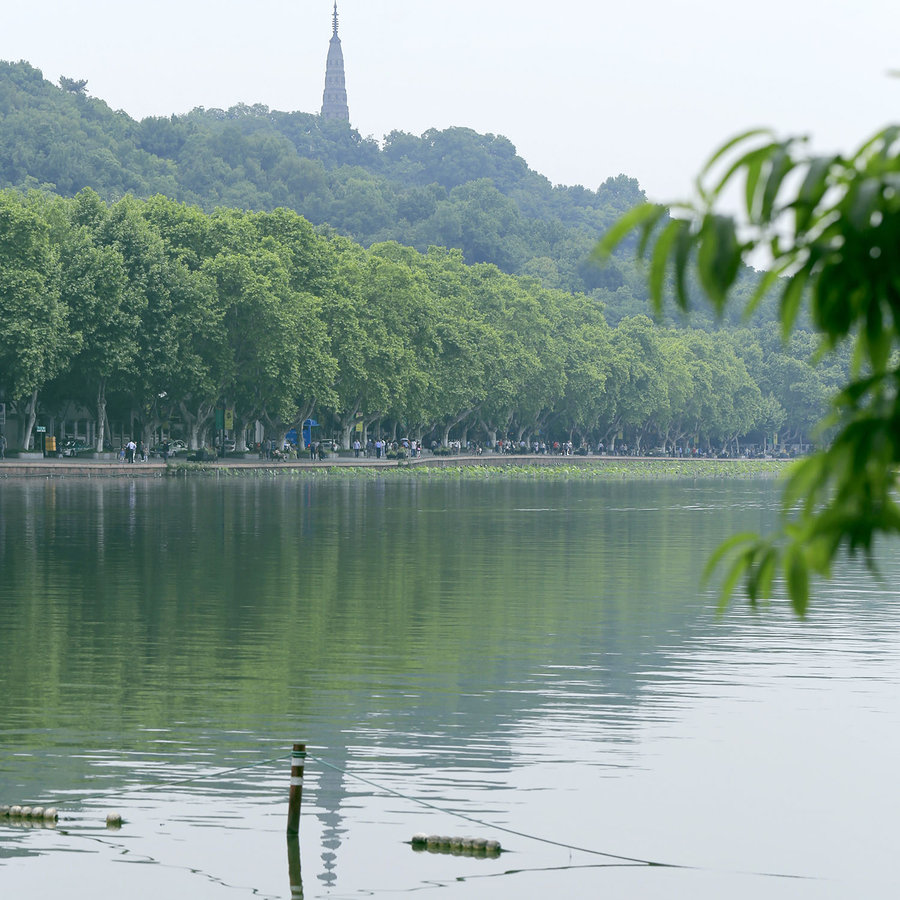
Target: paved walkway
point(99, 468)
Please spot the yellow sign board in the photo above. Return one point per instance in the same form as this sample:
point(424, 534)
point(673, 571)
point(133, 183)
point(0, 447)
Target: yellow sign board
point(229, 419)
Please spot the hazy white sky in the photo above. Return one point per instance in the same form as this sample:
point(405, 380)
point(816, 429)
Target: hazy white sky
point(584, 89)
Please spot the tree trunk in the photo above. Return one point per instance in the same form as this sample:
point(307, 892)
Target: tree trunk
point(197, 422)
point(638, 438)
point(29, 424)
point(455, 421)
point(105, 431)
point(490, 432)
point(101, 413)
point(346, 423)
point(611, 432)
point(367, 425)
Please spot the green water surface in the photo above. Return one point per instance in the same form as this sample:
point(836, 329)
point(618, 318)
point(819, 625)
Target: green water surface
point(539, 656)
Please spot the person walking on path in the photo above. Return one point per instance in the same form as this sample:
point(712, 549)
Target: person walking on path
point(130, 448)
point(2, 446)
point(356, 448)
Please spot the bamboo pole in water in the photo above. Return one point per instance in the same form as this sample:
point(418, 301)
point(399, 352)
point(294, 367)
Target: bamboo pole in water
point(294, 874)
point(298, 755)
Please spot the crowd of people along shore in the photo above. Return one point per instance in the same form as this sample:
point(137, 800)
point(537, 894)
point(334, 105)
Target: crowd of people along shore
point(410, 448)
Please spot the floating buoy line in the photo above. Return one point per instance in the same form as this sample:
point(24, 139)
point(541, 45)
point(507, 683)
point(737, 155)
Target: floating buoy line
point(420, 842)
point(47, 815)
point(456, 846)
point(50, 815)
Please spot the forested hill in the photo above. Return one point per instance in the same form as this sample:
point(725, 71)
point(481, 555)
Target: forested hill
point(453, 188)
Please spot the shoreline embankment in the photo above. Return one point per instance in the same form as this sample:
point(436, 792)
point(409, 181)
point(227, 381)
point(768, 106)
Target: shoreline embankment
point(489, 465)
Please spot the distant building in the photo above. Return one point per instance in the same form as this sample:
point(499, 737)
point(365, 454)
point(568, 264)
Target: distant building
point(334, 100)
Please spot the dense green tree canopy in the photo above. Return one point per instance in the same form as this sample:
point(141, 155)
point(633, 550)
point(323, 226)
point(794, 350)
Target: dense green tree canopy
point(157, 312)
point(35, 335)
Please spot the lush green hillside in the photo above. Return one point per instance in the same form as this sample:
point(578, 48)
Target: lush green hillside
point(453, 188)
point(65, 140)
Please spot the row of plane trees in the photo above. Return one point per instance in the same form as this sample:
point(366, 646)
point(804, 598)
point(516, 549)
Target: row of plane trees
point(154, 311)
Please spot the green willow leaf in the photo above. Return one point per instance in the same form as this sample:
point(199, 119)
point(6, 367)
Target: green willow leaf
point(878, 339)
point(683, 246)
point(752, 160)
point(862, 201)
point(727, 147)
point(724, 549)
point(791, 300)
point(880, 142)
point(759, 583)
point(762, 289)
point(644, 216)
point(659, 262)
point(797, 575)
point(719, 257)
point(805, 479)
point(754, 171)
point(811, 192)
point(739, 566)
point(781, 164)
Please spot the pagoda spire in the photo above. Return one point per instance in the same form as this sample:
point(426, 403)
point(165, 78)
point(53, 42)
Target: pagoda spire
point(334, 99)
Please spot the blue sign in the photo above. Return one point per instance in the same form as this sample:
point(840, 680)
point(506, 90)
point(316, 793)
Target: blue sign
point(308, 426)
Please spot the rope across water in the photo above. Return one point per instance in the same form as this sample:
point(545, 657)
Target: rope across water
point(634, 860)
point(493, 826)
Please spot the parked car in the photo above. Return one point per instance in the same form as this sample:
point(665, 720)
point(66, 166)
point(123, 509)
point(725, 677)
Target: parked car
point(174, 447)
point(73, 446)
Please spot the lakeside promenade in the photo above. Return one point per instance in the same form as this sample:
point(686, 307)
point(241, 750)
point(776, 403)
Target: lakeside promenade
point(156, 468)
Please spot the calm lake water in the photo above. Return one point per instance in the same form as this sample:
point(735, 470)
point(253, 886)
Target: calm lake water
point(537, 656)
